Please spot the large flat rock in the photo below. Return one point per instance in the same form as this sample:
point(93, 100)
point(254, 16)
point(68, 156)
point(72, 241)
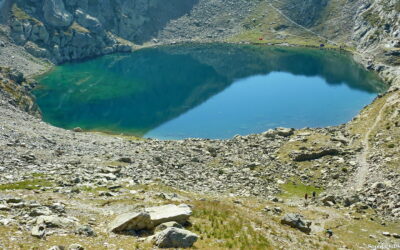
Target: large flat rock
point(131, 221)
point(168, 213)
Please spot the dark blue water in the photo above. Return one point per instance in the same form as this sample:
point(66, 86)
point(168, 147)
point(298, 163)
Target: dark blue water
point(207, 91)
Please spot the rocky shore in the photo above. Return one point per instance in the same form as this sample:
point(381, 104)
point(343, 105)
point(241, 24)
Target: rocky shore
point(61, 188)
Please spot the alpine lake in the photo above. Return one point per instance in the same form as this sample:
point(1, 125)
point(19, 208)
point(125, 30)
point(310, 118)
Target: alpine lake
point(211, 91)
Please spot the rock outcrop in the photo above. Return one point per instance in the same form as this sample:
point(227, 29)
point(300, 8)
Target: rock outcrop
point(17, 88)
point(297, 221)
point(55, 13)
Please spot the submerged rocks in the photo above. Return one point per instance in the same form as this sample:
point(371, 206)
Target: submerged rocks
point(175, 238)
point(297, 221)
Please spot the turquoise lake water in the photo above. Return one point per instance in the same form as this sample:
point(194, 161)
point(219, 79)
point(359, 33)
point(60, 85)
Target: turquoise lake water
point(206, 91)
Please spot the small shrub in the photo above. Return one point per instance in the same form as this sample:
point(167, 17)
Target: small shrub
point(391, 145)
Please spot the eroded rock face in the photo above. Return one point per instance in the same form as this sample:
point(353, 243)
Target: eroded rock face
point(56, 14)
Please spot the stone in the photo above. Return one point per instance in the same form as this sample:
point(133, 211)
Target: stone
point(397, 236)
point(167, 213)
point(285, 132)
point(40, 211)
point(55, 221)
point(78, 130)
point(58, 207)
point(277, 210)
point(309, 155)
point(4, 207)
point(86, 231)
point(328, 200)
point(13, 200)
point(55, 13)
point(175, 238)
point(166, 225)
point(297, 221)
point(131, 221)
point(387, 234)
point(270, 133)
point(75, 247)
point(56, 248)
point(38, 231)
point(125, 160)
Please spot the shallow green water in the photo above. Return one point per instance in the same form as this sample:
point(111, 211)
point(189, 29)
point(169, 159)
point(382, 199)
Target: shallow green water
point(207, 91)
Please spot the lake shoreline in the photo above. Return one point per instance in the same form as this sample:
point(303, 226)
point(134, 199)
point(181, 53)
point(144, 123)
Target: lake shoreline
point(197, 77)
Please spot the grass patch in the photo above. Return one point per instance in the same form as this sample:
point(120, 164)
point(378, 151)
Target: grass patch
point(93, 189)
point(32, 184)
point(298, 190)
point(223, 226)
point(357, 233)
point(20, 14)
point(38, 175)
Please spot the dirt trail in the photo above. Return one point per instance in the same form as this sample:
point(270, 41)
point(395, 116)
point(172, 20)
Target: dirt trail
point(362, 172)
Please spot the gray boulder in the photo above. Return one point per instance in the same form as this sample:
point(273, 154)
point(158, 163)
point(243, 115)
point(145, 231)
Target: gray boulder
point(285, 132)
point(131, 221)
point(55, 221)
point(4, 207)
point(40, 211)
point(175, 238)
point(297, 221)
point(166, 225)
point(55, 13)
point(56, 248)
point(38, 231)
point(86, 231)
point(75, 247)
point(168, 213)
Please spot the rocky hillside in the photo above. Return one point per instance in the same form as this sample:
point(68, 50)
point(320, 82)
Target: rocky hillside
point(68, 187)
point(79, 190)
point(63, 31)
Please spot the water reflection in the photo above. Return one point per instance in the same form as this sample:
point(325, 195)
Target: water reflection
point(139, 92)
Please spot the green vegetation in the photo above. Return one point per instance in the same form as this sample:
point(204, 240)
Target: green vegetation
point(93, 189)
point(397, 6)
point(20, 14)
point(27, 184)
point(372, 17)
point(222, 226)
point(298, 190)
